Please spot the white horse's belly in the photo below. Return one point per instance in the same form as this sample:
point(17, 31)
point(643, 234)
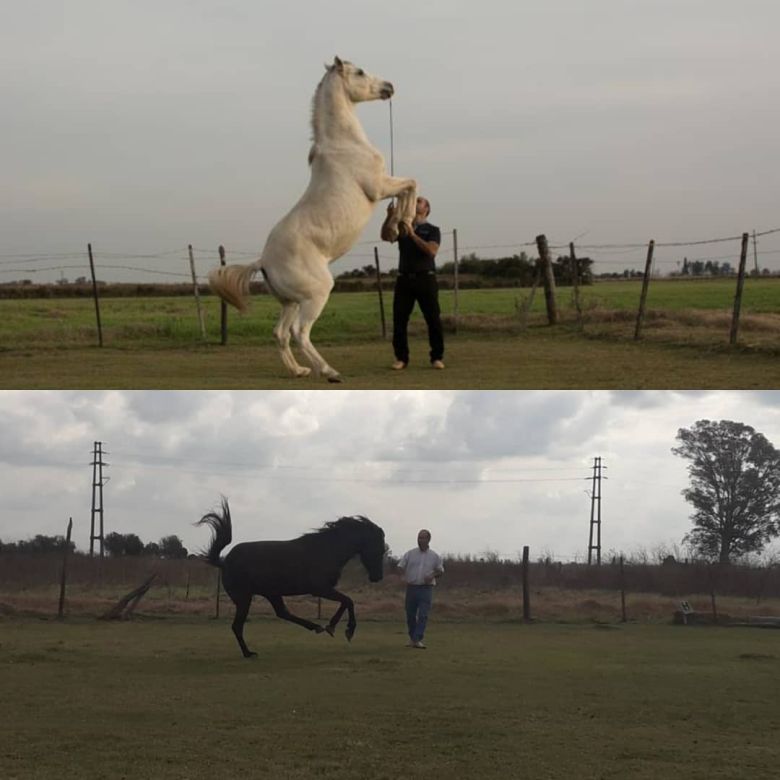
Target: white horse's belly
point(322, 222)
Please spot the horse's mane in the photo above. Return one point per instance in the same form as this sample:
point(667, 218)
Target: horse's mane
point(343, 524)
point(314, 107)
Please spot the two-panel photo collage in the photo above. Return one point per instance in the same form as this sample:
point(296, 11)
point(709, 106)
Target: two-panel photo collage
point(389, 391)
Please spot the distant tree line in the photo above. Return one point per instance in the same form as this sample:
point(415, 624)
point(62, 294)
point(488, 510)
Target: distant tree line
point(39, 544)
point(626, 273)
point(115, 544)
point(706, 268)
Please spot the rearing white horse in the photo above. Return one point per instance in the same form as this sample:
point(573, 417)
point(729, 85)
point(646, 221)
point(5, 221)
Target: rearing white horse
point(348, 179)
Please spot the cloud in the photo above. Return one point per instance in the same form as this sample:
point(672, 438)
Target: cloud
point(483, 470)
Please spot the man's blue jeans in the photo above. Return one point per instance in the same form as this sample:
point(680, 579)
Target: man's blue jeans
point(418, 605)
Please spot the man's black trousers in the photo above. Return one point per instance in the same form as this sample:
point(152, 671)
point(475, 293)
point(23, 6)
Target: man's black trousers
point(424, 290)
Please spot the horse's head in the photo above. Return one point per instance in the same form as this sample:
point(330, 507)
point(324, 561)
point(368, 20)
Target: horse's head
point(358, 84)
point(373, 549)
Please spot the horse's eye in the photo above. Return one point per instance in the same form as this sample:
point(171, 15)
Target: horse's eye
point(361, 72)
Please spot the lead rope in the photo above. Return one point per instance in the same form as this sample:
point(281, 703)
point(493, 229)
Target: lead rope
point(392, 161)
point(392, 156)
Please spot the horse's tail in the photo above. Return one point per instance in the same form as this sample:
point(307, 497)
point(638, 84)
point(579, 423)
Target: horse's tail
point(231, 283)
point(222, 533)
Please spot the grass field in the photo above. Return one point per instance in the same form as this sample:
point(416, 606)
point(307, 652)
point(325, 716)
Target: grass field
point(173, 698)
point(155, 342)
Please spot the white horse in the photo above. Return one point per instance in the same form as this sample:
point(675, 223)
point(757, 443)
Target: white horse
point(348, 179)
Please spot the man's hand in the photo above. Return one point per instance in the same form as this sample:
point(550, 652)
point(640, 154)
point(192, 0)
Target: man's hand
point(389, 231)
point(405, 228)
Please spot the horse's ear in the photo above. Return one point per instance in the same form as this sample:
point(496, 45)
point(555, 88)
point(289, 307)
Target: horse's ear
point(338, 64)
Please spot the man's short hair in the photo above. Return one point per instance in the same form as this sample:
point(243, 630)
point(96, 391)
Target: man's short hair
point(428, 203)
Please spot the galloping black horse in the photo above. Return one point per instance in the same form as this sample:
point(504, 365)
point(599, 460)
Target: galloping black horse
point(310, 564)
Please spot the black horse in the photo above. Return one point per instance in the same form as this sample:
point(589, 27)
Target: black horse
point(310, 564)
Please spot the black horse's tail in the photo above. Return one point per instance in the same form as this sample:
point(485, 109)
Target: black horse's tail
point(222, 533)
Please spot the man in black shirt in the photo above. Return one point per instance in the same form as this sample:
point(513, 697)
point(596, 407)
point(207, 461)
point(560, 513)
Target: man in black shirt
point(418, 244)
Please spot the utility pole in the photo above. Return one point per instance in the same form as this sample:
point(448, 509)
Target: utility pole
point(595, 514)
point(98, 480)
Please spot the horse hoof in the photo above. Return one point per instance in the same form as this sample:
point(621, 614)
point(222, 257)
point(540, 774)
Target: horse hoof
point(335, 379)
point(250, 654)
point(303, 372)
point(319, 629)
point(349, 633)
point(330, 630)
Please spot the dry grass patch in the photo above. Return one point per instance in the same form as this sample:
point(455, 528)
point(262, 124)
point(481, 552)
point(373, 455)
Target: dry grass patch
point(385, 602)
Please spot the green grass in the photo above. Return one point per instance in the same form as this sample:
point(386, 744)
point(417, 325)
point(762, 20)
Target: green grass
point(156, 342)
point(760, 296)
point(174, 699)
point(156, 322)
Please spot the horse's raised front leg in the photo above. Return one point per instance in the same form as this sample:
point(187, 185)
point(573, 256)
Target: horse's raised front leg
point(345, 604)
point(282, 333)
point(406, 192)
point(280, 608)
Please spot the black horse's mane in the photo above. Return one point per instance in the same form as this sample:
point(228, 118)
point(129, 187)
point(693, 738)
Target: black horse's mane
point(352, 522)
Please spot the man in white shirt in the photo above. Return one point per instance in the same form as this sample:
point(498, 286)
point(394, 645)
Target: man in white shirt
point(421, 566)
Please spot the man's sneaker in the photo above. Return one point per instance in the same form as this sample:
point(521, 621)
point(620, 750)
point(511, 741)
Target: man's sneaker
point(419, 646)
point(438, 364)
point(399, 365)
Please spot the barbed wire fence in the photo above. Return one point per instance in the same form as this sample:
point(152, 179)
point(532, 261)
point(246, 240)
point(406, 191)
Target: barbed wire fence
point(88, 265)
point(34, 263)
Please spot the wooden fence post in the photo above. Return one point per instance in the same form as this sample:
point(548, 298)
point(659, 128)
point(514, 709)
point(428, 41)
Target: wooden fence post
point(549, 279)
point(124, 608)
point(575, 280)
point(524, 312)
point(714, 571)
point(63, 579)
point(197, 296)
point(223, 313)
point(526, 592)
point(455, 276)
point(622, 592)
point(645, 284)
point(95, 296)
point(738, 295)
point(379, 290)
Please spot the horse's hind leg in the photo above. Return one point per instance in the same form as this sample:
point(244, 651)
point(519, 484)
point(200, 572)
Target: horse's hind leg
point(277, 602)
point(345, 604)
point(242, 610)
point(282, 333)
point(310, 310)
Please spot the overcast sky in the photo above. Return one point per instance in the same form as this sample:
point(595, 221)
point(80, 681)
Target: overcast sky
point(484, 471)
point(144, 126)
